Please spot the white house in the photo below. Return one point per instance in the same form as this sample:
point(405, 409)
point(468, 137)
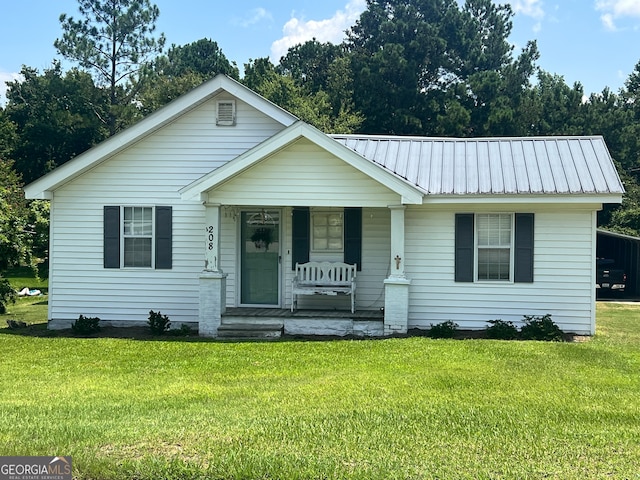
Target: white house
point(202, 210)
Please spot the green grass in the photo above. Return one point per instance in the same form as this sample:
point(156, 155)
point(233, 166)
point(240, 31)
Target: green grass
point(32, 310)
point(396, 408)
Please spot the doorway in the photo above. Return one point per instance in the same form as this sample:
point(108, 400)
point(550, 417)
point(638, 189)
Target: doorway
point(260, 258)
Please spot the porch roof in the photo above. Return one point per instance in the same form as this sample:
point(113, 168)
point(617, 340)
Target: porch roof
point(409, 194)
point(577, 166)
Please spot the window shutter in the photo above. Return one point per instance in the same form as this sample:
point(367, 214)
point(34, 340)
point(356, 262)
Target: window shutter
point(111, 244)
point(464, 247)
point(353, 236)
point(164, 232)
point(523, 255)
point(300, 243)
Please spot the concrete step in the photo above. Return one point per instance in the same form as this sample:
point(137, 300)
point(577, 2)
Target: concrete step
point(250, 331)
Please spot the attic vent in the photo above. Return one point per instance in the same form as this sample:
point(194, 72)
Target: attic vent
point(226, 112)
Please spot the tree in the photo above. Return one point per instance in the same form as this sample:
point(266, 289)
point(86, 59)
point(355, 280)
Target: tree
point(13, 237)
point(113, 39)
point(431, 67)
point(55, 117)
point(181, 69)
point(262, 77)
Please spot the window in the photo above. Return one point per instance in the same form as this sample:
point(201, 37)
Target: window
point(493, 233)
point(137, 237)
point(352, 235)
point(327, 232)
point(494, 247)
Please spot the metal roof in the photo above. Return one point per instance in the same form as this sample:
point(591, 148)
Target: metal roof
point(518, 165)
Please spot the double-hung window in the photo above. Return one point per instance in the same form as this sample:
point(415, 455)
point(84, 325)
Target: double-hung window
point(494, 247)
point(494, 239)
point(137, 237)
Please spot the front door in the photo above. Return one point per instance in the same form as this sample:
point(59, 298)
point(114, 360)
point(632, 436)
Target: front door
point(260, 257)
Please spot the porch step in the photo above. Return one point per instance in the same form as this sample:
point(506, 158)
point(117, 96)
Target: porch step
point(250, 331)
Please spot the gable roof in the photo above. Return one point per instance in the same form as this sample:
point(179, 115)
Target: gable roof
point(44, 186)
point(494, 166)
point(408, 193)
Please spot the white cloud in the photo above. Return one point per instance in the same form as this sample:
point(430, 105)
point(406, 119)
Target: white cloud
point(299, 30)
point(530, 8)
point(6, 77)
point(253, 17)
point(616, 9)
point(607, 21)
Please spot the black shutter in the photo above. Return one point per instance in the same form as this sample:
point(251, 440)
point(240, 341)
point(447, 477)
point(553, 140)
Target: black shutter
point(464, 247)
point(300, 243)
point(164, 232)
point(111, 244)
point(523, 256)
point(353, 236)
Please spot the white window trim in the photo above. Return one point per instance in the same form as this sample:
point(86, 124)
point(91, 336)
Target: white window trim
point(312, 239)
point(153, 237)
point(476, 249)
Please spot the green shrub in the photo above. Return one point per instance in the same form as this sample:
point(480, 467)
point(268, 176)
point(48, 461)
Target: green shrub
point(446, 329)
point(7, 294)
point(541, 328)
point(86, 325)
point(158, 323)
point(501, 330)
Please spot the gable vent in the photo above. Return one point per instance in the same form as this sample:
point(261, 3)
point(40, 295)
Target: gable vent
point(226, 112)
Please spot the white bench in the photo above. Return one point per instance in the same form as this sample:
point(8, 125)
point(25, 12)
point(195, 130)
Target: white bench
point(324, 278)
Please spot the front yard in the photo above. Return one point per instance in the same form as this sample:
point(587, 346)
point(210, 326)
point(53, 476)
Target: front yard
point(396, 408)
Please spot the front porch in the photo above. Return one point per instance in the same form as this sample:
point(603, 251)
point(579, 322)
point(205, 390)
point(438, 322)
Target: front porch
point(272, 323)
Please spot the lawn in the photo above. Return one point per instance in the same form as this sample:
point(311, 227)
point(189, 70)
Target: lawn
point(394, 408)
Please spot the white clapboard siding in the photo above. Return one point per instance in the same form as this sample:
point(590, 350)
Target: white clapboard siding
point(303, 171)
point(149, 173)
point(563, 282)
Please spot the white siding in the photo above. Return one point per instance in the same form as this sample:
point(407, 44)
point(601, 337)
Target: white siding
point(148, 173)
point(303, 174)
point(563, 265)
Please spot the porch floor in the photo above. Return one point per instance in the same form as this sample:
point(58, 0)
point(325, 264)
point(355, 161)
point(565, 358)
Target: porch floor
point(302, 313)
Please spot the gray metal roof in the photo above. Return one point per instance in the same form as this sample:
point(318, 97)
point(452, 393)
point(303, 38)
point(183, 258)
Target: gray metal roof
point(526, 165)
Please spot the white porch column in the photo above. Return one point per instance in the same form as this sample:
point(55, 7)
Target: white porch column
point(396, 291)
point(213, 282)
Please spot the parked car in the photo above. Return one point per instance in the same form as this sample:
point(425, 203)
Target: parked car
point(609, 278)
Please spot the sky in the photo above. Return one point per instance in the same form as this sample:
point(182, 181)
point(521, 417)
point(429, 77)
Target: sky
point(594, 42)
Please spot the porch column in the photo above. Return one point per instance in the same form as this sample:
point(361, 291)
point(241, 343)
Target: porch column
point(213, 282)
point(396, 286)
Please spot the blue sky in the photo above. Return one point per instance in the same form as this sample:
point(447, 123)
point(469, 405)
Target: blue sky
point(596, 42)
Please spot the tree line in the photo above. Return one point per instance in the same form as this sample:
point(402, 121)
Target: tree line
point(407, 67)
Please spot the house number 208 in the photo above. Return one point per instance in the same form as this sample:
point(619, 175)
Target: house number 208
point(210, 237)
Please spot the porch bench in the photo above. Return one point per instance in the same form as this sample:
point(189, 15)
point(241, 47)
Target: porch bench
point(324, 278)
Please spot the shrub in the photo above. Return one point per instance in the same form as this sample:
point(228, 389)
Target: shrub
point(158, 323)
point(446, 329)
point(86, 325)
point(541, 328)
point(501, 330)
point(7, 294)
